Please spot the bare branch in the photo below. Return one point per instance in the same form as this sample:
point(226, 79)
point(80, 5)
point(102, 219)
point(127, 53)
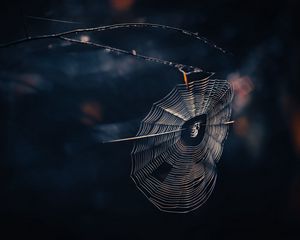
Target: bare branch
point(136, 55)
point(117, 26)
point(63, 36)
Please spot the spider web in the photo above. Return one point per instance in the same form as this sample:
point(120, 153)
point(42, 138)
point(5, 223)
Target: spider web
point(181, 139)
point(173, 174)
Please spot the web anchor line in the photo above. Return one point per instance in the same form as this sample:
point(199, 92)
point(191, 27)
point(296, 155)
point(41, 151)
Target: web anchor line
point(159, 134)
point(142, 137)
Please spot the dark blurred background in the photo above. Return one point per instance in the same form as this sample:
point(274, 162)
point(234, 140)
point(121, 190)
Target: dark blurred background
point(58, 102)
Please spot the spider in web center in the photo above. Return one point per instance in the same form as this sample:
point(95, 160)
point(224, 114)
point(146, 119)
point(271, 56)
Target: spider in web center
point(195, 129)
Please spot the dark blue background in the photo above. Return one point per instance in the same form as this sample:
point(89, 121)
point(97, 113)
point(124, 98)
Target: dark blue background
point(59, 101)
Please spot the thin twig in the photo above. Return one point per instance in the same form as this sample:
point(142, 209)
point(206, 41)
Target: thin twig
point(63, 36)
point(139, 56)
point(51, 19)
point(117, 26)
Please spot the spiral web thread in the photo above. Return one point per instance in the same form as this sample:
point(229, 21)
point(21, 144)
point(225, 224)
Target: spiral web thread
point(174, 176)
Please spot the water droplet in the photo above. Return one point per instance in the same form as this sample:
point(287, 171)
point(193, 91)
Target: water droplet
point(84, 38)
